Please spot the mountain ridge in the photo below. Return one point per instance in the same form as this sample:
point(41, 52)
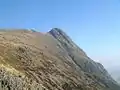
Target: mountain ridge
point(50, 61)
point(100, 67)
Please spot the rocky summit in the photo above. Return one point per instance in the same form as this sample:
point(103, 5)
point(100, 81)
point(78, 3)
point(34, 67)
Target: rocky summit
point(31, 60)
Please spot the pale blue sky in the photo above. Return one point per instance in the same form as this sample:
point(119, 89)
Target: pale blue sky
point(93, 24)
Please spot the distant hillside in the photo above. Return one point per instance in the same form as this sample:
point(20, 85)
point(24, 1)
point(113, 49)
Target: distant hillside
point(118, 80)
point(31, 60)
point(115, 73)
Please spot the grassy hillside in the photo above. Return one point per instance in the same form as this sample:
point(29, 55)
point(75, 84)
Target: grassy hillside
point(32, 60)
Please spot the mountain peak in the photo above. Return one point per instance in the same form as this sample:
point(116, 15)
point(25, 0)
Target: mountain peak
point(57, 32)
point(61, 36)
point(56, 29)
point(65, 40)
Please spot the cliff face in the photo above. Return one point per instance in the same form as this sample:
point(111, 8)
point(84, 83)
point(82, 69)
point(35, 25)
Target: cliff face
point(52, 61)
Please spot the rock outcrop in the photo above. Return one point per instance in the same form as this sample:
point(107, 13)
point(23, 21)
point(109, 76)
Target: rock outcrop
point(30, 60)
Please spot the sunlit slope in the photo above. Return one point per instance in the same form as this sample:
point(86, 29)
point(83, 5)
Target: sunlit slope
point(49, 61)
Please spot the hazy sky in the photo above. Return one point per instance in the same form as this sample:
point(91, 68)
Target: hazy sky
point(93, 24)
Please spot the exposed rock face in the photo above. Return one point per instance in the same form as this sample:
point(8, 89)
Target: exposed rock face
point(81, 59)
point(34, 61)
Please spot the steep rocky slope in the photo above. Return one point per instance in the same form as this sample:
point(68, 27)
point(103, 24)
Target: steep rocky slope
point(32, 60)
